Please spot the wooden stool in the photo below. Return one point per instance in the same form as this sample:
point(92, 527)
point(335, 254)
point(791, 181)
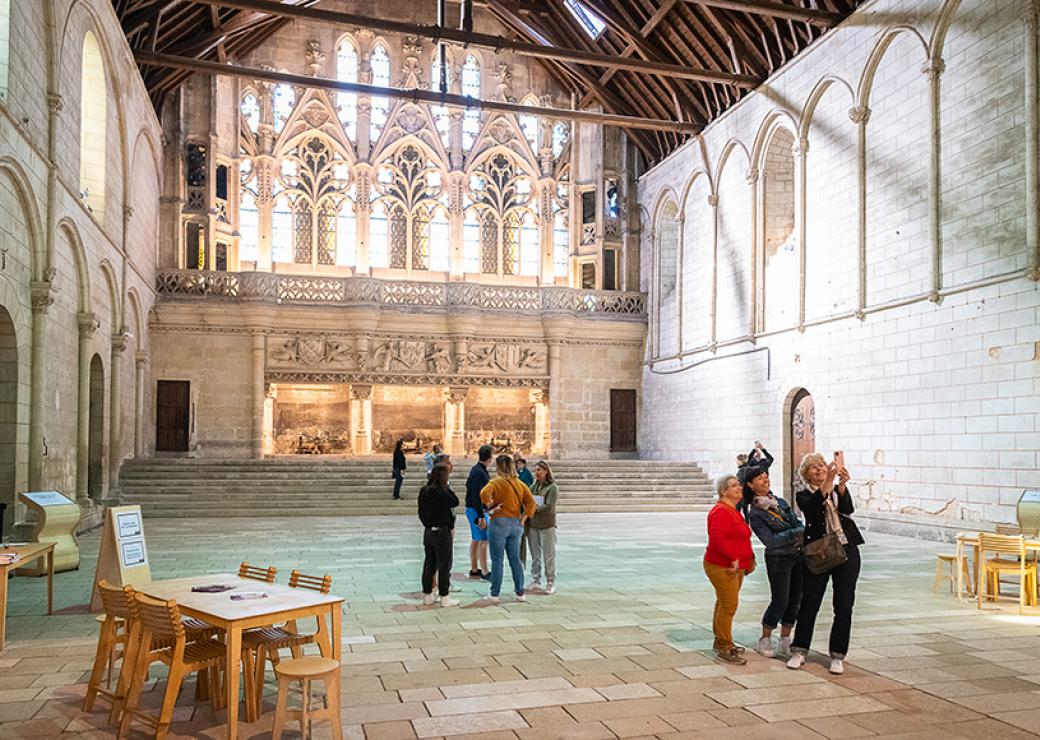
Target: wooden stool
point(946, 570)
point(118, 603)
point(307, 669)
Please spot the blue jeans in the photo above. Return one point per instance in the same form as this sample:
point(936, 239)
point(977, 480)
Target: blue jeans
point(504, 534)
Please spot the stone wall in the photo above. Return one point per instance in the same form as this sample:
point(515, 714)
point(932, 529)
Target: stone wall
point(909, 308)
point(75, 282)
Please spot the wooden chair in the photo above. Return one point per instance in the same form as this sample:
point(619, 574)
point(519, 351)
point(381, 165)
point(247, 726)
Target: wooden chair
point(1018, 564)
point(305, 670)
point(261, 645)
point(120, 613)
point(1013, 530)
point(256, 573)
point(160, 633)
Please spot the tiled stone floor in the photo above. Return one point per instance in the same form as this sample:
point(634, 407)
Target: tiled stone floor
point(617, 652)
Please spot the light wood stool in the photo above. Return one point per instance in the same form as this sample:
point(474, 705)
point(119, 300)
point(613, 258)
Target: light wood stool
point(307, 669)
point(946, 571)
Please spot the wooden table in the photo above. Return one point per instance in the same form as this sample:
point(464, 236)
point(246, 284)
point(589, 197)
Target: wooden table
point(971, 541)
point(282, 604)
point(26, 554)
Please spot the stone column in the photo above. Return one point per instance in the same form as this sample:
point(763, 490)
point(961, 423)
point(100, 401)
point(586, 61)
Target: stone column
point(268, 422)
point(41, 301)
point(115, 397)
point(361, 418)
point(860, 115)
point(801, 153)
point(259, 351)
point(457, 217)
point(362, 214)
point(934, 69)
point(455, 420)
point(540, 402)
point(140, 378)
point(88, 324)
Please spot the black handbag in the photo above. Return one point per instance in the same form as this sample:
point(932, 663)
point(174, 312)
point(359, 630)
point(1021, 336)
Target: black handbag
point(828, 552)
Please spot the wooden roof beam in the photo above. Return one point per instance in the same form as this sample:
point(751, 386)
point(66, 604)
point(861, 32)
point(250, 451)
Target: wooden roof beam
point(815, 17)
point(170, 61)
point(498, 43)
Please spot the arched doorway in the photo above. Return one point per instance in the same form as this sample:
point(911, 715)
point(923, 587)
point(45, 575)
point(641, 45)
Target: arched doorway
point(95, 434)
point(8, 413)
point(800, 434)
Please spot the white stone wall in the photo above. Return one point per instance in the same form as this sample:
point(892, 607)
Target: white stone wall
point(936, 402)
point(67, 260)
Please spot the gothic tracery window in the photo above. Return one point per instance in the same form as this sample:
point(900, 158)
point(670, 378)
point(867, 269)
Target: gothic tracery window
point(284, 101)
point(250, 110)
point(441, 118)
point(531, 125)
point(502, 198)
point(470, 88)
point(410, 190)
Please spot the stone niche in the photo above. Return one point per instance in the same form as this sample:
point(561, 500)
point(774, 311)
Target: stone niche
point(312, 419)
point(500, 414)
point(412, 413)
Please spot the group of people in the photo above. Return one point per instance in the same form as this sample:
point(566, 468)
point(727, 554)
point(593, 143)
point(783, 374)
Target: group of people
point(802, 557)
point(514, 508)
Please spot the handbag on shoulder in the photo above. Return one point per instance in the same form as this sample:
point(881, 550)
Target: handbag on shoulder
point(828, 552)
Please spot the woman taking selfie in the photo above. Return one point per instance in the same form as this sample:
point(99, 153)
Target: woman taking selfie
point(778, 528)
point(828, 509)
point(727, 559)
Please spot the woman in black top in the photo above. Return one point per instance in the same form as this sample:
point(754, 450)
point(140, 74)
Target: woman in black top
point(436, 511)
point(812, 500)
point(399, 468)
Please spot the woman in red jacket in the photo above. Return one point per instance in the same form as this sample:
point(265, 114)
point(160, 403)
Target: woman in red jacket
point(727, 560)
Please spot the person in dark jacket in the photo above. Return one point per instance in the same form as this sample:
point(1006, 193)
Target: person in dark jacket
point(525, 475)
point(436, 512)
point(477, 516)
point(399, 466)
point(776, 525)
point(759, 457)
point(820, 493)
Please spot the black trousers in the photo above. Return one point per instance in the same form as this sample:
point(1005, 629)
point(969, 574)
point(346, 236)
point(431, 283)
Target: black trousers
point(785, 589)
point(844, 579)
point(438, 546)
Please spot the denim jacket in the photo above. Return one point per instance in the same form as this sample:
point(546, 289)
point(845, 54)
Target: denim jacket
point(779, 530)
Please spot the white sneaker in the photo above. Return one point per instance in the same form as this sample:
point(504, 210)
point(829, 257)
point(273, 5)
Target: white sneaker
point(494, 599)
point(550, 589)
point(448, 601)
point(765, 647)
point(784, 651)
point(535, 584)
point(797, 661)
point(837, 666)
point(521, 597)
point(427, 600)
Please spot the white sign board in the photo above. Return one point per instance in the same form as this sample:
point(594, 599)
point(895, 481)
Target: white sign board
point(128, 524)
point(47, 498)
point(133, 553)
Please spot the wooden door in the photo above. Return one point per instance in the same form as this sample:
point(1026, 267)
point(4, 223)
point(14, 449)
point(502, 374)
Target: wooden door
point(622, 420)
point(803, 432)
point(172, 415)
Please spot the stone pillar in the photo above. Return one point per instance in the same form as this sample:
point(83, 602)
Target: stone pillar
point(268, 423)
point(457, 218)
point(540, 402)
point(259, 350)
point(361, 418)
point(41, 301)
point(88, 324)
point(115, 396)
point(362, 214)
point(140, 394)
point(455, 420)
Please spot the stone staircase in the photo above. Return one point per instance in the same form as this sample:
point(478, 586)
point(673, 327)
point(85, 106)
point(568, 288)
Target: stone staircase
point(356, 487)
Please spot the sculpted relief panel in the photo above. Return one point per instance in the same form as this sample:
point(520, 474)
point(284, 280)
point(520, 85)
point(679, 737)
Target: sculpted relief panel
point(406, 360)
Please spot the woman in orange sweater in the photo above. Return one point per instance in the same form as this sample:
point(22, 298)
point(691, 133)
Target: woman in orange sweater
point(510, 504)
point(727, 559)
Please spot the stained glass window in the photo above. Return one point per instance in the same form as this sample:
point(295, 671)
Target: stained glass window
point(284, 100)
point(560, 134)
point(346, 71)
point(561, 244)
point(380, 63)
point(510, 245)
point(346, 235)
point(440, 241)
point(529, 245)
point(377, 236)
point(327, 234)
point(421, 239)
point(471, 241)
point(531, 126)
point(281, 231)
point(398, 238)
point(489, 244)
point(251, 112)
point(302, 225)
point(470, 88)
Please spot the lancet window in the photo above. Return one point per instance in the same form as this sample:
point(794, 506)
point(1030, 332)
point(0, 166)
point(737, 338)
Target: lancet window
point(561, 228)
point(284, 101)
point(470, 79)
point(347, 71)
point(441, 119)
point(531, 126)
point(410, 189)
point(380, 65)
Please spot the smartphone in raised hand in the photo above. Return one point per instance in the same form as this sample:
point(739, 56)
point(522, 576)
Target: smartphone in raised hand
point(839, 459)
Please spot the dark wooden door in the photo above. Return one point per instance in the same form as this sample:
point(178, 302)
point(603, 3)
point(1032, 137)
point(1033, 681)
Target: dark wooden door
point(622, 420)
point(803, 432)
point(172, 415)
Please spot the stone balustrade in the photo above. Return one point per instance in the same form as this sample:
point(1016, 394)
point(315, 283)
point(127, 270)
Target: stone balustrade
point(323, 290)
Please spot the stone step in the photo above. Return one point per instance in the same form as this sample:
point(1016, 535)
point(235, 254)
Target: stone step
point(388, 510)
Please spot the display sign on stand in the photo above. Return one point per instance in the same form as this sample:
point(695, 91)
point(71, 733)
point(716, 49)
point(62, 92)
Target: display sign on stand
point(123, 557)
point(56, 520)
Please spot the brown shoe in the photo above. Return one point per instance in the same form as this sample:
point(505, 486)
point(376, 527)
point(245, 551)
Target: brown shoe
point(730, 655)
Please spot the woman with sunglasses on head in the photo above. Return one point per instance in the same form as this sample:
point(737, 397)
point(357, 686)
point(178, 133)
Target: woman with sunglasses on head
point(541, 530)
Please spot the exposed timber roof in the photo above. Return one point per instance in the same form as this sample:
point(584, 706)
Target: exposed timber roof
point(685, 61)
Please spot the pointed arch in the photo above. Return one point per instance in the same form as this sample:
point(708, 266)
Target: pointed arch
point(767, 129)
point(819, 89)
point(733, 145)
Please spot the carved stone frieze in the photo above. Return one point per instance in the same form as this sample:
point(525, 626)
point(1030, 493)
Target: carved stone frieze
point(375, 378)
point(507, 358)
point(311, 352)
